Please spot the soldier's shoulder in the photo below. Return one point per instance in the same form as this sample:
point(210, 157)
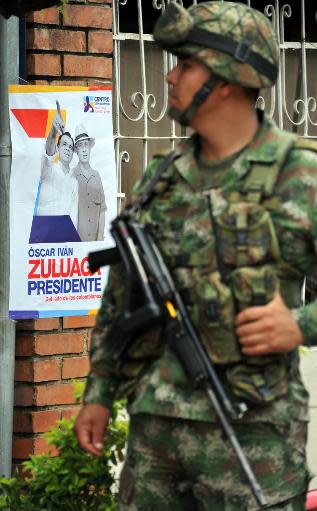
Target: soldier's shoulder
point(305, 147)
point(306, 144)
point(151, 170)
point(161, 154)
point(303, 154)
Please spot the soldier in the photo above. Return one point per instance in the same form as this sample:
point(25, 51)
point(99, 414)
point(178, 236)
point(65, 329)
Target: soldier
point(237, 225)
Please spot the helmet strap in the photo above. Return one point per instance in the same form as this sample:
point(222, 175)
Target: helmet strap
point(201, 95)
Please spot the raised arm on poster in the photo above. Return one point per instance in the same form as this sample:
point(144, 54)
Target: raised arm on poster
point(59, 189)
point(57, 128)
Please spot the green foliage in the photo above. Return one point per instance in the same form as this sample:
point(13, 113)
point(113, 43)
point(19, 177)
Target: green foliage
point(73, 480)
point(78, 389)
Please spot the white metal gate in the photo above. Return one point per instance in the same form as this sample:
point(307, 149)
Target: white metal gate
point(141, 126)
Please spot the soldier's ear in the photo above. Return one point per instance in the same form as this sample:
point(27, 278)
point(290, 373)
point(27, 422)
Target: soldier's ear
point(227, 89)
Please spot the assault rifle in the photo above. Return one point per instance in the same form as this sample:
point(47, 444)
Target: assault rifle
point(151, 296)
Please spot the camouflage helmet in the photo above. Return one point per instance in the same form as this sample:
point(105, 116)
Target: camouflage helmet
point(236, 42)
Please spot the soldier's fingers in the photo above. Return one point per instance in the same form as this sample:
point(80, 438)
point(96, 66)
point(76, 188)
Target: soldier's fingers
point(257, 349)
point(263, 325)
point(251, 340)
point(250, 314)
point(98, 437)
point(84, 437)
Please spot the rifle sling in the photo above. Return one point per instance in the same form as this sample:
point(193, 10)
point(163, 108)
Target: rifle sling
point(147, 193)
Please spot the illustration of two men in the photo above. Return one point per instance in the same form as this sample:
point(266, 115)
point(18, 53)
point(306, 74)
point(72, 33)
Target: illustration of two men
point(71, 201)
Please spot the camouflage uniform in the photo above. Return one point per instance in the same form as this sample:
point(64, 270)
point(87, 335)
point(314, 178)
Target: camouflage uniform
point(178, 458)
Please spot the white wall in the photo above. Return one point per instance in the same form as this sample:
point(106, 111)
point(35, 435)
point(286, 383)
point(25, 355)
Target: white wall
point(309, 374)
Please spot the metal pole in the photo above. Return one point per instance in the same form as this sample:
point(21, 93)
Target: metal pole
point(9, 65)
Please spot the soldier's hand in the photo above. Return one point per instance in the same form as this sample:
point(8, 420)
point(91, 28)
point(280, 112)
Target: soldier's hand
point(268, 329)
point(90, 427)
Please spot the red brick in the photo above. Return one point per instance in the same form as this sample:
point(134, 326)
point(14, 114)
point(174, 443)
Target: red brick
point(54, 394)
point(44, 395)
point(50, 344)
point(53, 39)
point(79, 321)
point(38, 370)
point(41, 446)
point(47, 370)
point(74, 83)
point(24, 395)
point(67, 342)
point(89, 341)
point(46, 64)
point(98, 83)
point(25, 345)
point(22, 448)
point(35, 422)
point(87, 16)
point(46, 16)
point(78, 83)
point(39, 323)
point(23, 370)
point(71, 411)
point(22, 422)
point(98, 67)
point(39, 82)
point(75, 367)
point(100, 42)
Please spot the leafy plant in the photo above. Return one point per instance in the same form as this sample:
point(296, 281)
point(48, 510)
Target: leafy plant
point(73, 480)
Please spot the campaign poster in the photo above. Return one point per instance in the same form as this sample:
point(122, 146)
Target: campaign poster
point(63, 197)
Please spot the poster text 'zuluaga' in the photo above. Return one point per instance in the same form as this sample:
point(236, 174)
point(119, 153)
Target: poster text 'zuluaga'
point(61, 275)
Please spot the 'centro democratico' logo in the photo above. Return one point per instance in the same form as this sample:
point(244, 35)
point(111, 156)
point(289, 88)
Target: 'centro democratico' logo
point(97, 104)
point(89, 104)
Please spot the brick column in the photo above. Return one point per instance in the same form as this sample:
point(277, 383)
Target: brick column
point(72, 46)
point(49, 354)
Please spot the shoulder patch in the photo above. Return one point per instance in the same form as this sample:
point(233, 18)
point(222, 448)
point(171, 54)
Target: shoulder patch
point(161, 154)
point(306, 143)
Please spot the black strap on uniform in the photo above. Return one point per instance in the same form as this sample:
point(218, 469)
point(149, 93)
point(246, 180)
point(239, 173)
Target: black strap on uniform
point(240, 51)
point(201, 95)
point(147, 193)
point(220, 264)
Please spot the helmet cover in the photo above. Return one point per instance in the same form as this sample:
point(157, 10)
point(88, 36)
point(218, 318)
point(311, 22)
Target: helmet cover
point(235, 41)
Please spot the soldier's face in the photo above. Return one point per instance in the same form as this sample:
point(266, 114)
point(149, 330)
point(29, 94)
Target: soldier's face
point(184, 80)
point(83, 151)
point(65, 149)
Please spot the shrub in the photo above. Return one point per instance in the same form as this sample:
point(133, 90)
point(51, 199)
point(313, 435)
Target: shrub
point(72, 481)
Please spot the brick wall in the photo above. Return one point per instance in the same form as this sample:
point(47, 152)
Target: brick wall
point(49, 354)
point(72, 46)
point(68, 47)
